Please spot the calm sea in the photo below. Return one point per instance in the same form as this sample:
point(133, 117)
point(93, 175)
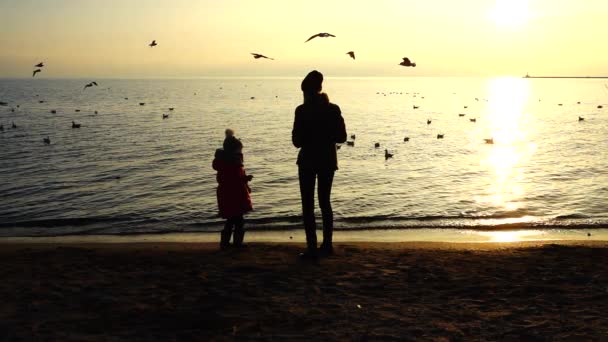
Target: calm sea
point(128, 170)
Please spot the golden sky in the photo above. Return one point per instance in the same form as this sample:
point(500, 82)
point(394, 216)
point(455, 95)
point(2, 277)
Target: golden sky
point(108, 38)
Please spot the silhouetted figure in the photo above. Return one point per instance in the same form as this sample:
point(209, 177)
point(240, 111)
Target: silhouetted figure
point(376, 145)
point(47, 140)
point(165, 116)
point(322, 35)
point(258, 56)
point(353, 136)
point(75, 125)
point(415, 107)
point(35, 72)
point(580, 118)
point(428, 121)
point(407, 63)
point(317, 127)
point(13, 126)
point(387, 155)
point(461, 115)
point(351, 54)
point(153, 44)
point(233, 197)
point(439, 136)
point(473, 120)
point(406, 139)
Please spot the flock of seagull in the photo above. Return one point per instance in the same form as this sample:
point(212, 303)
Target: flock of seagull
point(406, 62)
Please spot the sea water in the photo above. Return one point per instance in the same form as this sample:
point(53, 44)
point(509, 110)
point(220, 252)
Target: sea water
point(127, 170)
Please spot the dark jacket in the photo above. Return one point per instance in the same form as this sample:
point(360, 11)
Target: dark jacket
point(317, 127)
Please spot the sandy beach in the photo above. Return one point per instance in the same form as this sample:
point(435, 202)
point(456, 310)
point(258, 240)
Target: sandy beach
point(367, 291)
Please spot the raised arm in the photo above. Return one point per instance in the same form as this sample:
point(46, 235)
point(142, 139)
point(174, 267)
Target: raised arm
point(340, 127)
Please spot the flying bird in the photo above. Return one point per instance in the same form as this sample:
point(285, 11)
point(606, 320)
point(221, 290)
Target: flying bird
point(322, 35)
point(407, 63)
point(39, 65)
point(351, 54)
point(90, 85)
point(36, 71)
point(257, 56)
point(153, 44)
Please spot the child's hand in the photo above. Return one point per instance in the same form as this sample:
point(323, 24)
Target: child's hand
point(249, 178)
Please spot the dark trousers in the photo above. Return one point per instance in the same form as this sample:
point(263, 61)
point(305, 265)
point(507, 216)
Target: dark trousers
point(239, 232)
point(307, 190)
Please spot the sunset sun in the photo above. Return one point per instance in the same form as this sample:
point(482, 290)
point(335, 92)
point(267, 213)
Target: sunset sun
point(510, 13)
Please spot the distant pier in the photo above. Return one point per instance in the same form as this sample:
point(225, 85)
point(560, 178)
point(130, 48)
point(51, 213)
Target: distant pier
point(528, 76)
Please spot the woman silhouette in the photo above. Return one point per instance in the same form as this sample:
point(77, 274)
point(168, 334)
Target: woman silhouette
point(317, 127)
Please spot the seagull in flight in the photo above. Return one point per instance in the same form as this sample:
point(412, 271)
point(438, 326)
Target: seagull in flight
point(322, 35)
point(257, 56)
point(407, 63)
point(36, 71)
point(39, 65)
point(351, 54)
point(90, 85)
point(153, 44)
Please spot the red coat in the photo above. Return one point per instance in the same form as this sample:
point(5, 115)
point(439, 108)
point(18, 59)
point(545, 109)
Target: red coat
point(233, 197)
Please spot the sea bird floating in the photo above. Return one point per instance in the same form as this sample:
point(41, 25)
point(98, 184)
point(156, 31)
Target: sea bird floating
point(439, 136)
point(258, 56)
point(75, 125)
point(322, 35)
point(580, 118)
point(376, 145)
point(47, 140)
point(387, 155)
point(489, 141)
point(407, 63)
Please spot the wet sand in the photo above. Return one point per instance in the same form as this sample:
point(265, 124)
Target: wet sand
point(367, 291)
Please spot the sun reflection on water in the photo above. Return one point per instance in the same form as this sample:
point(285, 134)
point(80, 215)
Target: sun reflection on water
point(506, 123)
point(513, 236)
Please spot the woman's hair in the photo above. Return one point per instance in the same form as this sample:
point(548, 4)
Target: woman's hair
point(312, 85)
